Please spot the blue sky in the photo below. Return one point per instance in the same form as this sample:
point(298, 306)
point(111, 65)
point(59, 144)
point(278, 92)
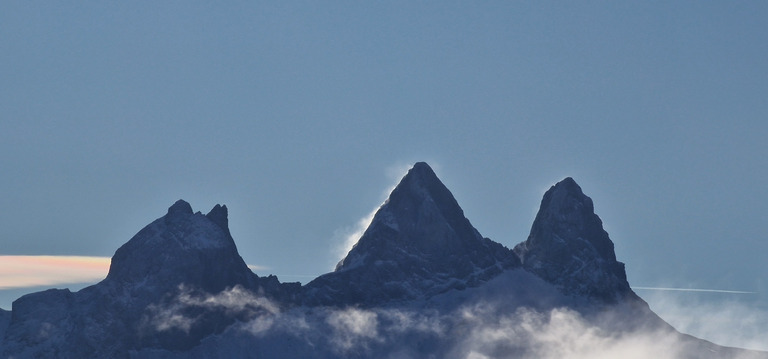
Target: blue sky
point(300, 115)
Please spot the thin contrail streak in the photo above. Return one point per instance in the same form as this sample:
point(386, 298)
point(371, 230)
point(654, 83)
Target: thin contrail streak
point(695, 290)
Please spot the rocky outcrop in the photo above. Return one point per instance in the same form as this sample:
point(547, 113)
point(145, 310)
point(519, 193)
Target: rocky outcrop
point(418, 244)
point(568, 247)
point(179, 256)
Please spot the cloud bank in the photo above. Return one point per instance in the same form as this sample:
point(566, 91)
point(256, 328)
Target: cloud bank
point(476, 330)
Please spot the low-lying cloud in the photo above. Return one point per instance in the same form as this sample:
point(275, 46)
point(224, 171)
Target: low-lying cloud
point(353, 327)
point(557, 333)
point(737, 320)
point(236, 301)
point(473, 330)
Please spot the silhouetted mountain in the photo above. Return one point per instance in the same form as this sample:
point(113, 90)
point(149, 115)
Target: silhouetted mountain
point(180, 253)
point(418, 244)
point(181, 248)
point(569, 248)
point(421, 282)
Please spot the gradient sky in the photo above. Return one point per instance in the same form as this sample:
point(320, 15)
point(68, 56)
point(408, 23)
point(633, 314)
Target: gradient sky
point(299, 116)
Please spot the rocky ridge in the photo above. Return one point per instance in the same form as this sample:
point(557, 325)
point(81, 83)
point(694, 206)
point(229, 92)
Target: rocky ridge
point(410, 287)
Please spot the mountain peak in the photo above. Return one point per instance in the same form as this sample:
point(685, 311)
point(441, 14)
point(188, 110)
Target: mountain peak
point(424, 214)
point(569, 184)
point(158, 273)
point(218, 215)
point(422, 170)
point(421, 182)
point(179, 208)
point(569, 247)
point(182, 247)
point(418, 243)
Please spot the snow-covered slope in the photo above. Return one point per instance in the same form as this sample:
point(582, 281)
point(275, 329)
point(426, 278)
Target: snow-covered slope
point(420, 283)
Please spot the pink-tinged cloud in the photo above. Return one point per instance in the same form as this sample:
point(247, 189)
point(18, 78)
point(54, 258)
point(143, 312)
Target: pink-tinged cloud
point(34, 271)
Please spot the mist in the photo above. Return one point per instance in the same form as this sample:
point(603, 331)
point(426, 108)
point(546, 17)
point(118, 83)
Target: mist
point(737, 320)
point(477, 329)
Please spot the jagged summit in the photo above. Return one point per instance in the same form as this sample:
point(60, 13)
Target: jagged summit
point(418, 243)
point(568, 246)
point(183, 247)
point(218, 215)
point(421, 282)
point(180, 255)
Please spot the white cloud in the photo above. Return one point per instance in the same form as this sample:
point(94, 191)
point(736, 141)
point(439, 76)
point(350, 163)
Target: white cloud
point(234, 301)
point(353, 327)
point(478, 331)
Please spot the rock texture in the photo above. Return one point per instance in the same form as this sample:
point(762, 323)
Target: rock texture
point(418, 244)
point(568, 247)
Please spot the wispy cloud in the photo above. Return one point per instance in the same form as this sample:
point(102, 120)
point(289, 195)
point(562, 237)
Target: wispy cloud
point(353, 326)
point(234, 301)
point(256, 267)
point(33, 271)
point(350, 235)
point(347, 237)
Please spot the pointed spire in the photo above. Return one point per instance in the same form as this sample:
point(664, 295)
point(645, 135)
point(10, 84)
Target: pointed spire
point(569, 247)
point(218, 215)
point(567, 213)
point(422, 215)
point(182, 247)
point(421, 200)
point(419, 243)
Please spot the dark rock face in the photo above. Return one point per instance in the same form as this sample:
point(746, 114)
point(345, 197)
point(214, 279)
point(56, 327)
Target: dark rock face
point(5, 319)
point(568, 247)
point(418, 244)
point(182, 247)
